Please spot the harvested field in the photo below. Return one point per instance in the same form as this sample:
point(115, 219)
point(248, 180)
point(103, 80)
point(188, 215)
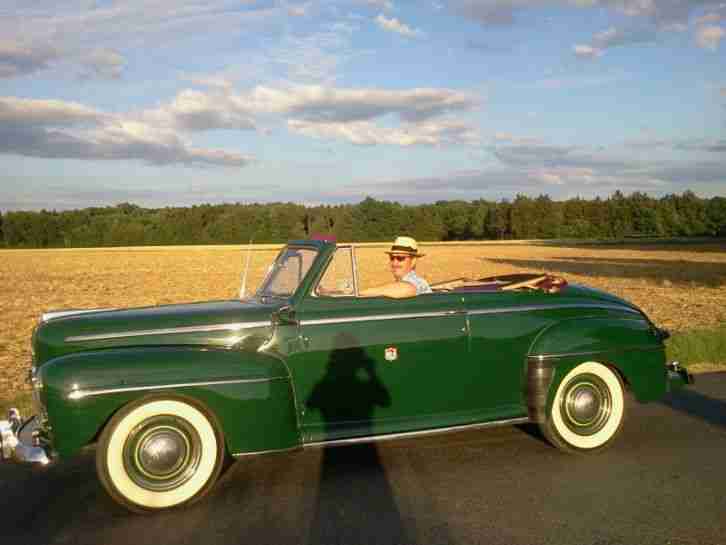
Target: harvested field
point(681, 287)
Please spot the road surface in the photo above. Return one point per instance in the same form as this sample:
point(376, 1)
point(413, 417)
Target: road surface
point(663, 482)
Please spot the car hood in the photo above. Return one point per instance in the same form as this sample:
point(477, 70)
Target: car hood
point(220, 324)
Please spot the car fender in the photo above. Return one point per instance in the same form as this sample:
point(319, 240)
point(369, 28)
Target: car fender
point(629, 345)
point(248, 392)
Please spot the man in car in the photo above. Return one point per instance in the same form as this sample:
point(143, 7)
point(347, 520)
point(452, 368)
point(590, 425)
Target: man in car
point(402, 258)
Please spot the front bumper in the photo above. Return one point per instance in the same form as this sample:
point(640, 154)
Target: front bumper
point(20, 440)
point(677, 376)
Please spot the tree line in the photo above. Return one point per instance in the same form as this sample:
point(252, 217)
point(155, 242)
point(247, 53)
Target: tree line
point(615, 217)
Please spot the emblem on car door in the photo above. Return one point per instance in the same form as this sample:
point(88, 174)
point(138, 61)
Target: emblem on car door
point(391, 353)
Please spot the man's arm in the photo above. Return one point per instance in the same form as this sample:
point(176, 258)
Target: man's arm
point(396, 290)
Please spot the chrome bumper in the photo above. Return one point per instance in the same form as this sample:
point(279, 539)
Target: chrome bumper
point(19, 440)
point(678, 376)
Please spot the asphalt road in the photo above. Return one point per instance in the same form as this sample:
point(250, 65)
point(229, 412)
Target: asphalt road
point(663, 482)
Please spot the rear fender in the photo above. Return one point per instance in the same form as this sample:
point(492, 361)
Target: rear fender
point(629, 346)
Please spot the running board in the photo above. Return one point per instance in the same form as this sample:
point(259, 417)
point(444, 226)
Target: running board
point(419, 433)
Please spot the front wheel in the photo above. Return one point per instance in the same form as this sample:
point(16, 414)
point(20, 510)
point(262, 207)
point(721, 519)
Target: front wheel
point(158, 453)
point(587, 411)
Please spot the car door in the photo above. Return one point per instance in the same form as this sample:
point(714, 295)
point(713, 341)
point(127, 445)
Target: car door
point(370, 366)
point(502, 327)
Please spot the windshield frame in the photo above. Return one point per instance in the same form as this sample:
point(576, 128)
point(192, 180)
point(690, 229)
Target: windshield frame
point(276, 267)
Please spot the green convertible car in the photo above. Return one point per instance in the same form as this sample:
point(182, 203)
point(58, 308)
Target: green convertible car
point(168, 393)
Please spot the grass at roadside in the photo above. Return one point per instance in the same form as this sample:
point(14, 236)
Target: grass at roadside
point(700, 349)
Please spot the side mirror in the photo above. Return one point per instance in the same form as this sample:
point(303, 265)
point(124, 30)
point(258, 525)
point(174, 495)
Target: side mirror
point(284, 316)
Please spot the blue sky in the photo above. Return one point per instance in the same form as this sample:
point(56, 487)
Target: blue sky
point(181, 102)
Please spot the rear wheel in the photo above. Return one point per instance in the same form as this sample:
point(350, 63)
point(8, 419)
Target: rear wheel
point(158, 453)
point(588, 409)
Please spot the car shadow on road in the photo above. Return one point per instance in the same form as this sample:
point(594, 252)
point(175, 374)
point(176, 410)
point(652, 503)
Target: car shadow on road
point(696, 404)
point(532, 429)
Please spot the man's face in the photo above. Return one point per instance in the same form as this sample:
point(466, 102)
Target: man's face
point(401, 265)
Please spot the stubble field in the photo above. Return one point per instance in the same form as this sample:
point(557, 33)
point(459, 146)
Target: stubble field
point(680, 287)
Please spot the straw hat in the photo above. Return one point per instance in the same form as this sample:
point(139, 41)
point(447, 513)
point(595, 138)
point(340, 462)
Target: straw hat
point(405, 246)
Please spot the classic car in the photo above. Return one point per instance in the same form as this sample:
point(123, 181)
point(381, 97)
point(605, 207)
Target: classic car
point(169, 393)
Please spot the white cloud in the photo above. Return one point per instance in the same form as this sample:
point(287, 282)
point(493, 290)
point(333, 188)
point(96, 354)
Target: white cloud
point(709, 18)
point(396, 26)
point(361, 116)
point(57, 129)
point(663, 13)
point(199, 111)
point(365, 133)
point(104, 64)
point(381, 4)
point(330, 104)
point(313, 58)
point(75, 27)
point(703, 144)
point(21, 111)
point(511, 139)
point(581, 81)
point(586, 51)
point(52, 128)
point(299, 10)
point(18, 59)
point(215, 81)
point(709, 37)
point(614, 37)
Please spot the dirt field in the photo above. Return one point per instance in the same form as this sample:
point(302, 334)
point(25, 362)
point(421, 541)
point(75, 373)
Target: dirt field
point(680, 287)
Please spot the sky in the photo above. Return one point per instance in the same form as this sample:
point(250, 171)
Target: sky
point(183, 102)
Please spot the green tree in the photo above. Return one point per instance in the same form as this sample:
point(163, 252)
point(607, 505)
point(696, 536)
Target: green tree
point(716, 216)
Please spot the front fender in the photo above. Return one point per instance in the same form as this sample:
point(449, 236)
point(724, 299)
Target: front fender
point(249, 393)
point(629, 345)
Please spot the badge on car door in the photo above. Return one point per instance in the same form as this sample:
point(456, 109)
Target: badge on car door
point(391, 353)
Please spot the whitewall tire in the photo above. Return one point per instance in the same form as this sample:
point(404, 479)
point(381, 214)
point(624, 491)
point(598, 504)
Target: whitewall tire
point(588, 409)
point(158, 453)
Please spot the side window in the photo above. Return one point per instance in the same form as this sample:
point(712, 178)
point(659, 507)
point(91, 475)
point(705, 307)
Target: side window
point(337, 281)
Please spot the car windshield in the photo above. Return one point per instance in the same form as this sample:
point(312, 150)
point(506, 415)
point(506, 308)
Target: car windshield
point(287, 271)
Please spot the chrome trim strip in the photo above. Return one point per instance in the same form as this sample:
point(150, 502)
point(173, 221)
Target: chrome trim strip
point(407, 434)
point(501, 310)
point(376, 317)
point(81, 394)
point(551, 307)
point(168, 331)
point(60, 313)
point(260, 452)
point(594, 352)
point(356, 288)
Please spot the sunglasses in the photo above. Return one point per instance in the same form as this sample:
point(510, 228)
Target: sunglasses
point(398, 257)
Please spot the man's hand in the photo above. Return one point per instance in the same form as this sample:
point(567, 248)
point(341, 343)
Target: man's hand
point(397, 290)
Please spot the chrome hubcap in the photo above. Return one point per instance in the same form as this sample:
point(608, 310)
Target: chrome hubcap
point(586, 404)
point(162, 453)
